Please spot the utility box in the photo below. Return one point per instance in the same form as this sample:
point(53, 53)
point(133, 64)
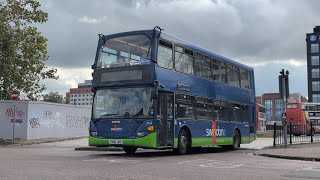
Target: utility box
point(36, 120)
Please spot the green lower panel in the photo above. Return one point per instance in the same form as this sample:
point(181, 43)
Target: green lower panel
point(207, 141)
point(149, 141)
point(245, 140)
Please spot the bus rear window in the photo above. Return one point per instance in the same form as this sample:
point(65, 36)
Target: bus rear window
point(292, 106)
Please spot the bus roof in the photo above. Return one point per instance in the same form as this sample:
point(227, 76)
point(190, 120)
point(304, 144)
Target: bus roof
point(187, 45)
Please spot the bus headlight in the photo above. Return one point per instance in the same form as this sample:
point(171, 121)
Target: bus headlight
point(150, 128)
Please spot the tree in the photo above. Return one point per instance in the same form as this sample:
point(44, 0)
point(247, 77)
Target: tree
point(23, 50)
point(54, 97)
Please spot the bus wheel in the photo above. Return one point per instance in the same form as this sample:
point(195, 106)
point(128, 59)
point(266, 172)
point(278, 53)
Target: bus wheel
point(183, 143)
point(236, 141)
point(130, 150)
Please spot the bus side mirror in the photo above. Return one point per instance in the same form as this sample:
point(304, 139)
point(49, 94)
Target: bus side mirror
point(93, 66)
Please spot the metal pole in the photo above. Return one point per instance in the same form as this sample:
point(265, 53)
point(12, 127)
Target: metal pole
point(290, 132)
point(311, 132)
point(274, 134)
point(284, 110)
point(14, 121)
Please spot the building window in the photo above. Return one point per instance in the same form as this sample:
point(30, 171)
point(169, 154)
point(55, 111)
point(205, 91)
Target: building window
point(75, 95)
point(315, 85)
point(71, 95)
point(79, 103)
point(316, 98)
point(315, 73)
point(314, 48)
point(268, 104)
point(278, 109)
point(314, 60)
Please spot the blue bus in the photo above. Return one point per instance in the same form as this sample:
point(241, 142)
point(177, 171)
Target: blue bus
point(155, 91)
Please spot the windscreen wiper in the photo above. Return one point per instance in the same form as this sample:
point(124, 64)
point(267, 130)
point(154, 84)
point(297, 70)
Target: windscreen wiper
point(103, 116)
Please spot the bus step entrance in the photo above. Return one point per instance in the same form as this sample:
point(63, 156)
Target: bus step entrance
point(164, 147)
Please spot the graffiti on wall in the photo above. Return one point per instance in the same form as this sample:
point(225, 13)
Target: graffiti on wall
point(51, 119)
point(34, 122)
point(15, 115)
point(77, 121)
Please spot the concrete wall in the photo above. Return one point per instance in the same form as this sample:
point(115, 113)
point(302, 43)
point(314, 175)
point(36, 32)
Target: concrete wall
point(45, 120)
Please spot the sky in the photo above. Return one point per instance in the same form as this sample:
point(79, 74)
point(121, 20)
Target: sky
point(267, 35)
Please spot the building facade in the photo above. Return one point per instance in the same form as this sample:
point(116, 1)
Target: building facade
point(274, 105)
point(81, 96)
point(313, 65)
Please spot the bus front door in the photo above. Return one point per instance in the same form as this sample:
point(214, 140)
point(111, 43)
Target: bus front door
point(165, 119)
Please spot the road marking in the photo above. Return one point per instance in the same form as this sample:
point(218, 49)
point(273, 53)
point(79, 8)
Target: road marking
point(212, 163)
point(126, 161)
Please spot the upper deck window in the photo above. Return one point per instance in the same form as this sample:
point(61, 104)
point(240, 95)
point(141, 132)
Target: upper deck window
point(218, 71)
point(202, 66)
point(245, 79)
point(184, 60)
point(124, 51)
point(165, 58)
point(292, 106)
point(233, 75)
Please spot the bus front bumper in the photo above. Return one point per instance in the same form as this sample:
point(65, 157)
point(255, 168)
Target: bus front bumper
point(149, 141)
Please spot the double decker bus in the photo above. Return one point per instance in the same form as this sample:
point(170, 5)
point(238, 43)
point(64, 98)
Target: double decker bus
point(301, 115)
point(155, 91)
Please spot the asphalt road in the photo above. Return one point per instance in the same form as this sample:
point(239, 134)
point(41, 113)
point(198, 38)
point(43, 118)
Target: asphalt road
point(60, 161)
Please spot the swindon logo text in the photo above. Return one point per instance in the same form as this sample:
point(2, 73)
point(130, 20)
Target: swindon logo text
point(216, 132)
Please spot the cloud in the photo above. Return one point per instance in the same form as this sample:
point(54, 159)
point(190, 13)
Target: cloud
point(68, 78)
point(258, 33)
point(291, 62)
point(91, 20)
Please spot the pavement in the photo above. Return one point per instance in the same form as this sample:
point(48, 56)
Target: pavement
point(308, 152)
point(261, 147)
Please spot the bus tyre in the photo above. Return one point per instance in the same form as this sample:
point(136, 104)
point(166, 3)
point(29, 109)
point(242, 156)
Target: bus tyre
point(183, 143)
point(236, 141)
point(130, 150)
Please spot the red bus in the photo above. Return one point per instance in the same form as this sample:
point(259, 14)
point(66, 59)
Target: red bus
point(301, 114)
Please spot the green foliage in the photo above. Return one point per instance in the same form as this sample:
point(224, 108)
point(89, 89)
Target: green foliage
point(54, 97)
point(23, 50)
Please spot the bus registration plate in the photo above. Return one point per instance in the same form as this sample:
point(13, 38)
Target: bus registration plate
point(115, 141)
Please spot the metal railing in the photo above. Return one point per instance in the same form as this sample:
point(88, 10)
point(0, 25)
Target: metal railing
point(296, 133)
